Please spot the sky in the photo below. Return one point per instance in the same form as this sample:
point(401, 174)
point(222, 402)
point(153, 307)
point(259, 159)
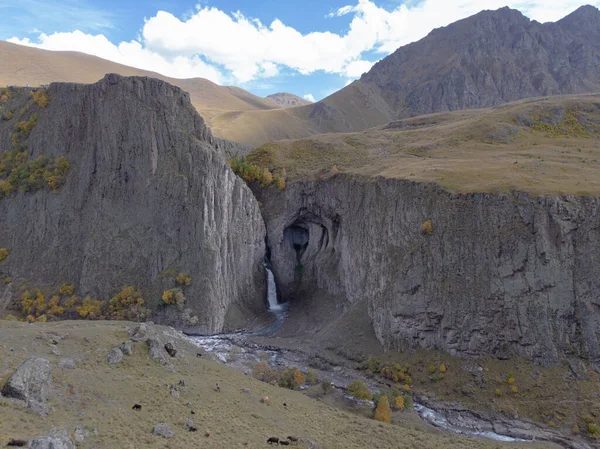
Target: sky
point(311, 48)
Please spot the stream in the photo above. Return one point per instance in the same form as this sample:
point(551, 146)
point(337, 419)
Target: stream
point(236, 351)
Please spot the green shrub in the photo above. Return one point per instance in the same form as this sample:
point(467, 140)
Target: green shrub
point(359, 390)
point(3, 254)
point(33, 302)
point(251, 173)
point(40, 96)
point(292, 378)
point(91, 309)
point(18, 172)
point(183, 279)
point(427, 229)
point(66, 289)
point(311, 377)
point(593, 430)
point(326, 386)
point(128, 304)
point(174, 296)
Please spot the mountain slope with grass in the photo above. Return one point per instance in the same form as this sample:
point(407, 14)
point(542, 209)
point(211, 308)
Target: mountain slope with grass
point(23, 65)
point(485, 60)
point(81, 403)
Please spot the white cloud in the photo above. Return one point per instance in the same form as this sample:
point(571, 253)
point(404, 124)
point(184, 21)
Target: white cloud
point(232, 47)
point(310, 98)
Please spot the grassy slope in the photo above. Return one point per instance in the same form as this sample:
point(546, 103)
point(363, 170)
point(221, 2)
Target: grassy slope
point(99, 396)
point(539, 146)
point(24, 65)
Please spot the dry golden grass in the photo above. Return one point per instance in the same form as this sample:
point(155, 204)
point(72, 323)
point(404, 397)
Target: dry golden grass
point(543, 146)
point(24, 65)
point(99, 397)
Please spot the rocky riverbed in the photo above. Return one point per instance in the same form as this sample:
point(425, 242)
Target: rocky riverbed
point(238, 351)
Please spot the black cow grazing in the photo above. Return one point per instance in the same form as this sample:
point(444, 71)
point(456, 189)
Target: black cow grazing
point(293, 439)
point(284, 443)
point(199, 354)
point(285, 404)
point(193, 429)
point(136, 407)
point(17, 443)
point(193, 412)
point(273, 440)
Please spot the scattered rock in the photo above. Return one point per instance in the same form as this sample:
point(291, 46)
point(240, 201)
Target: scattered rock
point(312, 444)
point(246, 390)
point(67, 364)
point(174, 391)
point(156, 349)
point(30, 383)
point(189, 424)
point(127, 347)
point(81, 434)
point(55, 351)
point(170, 349)
point(170, 368)
point(56, 439)
point(162, 430)
point(578, 368)
point(114, 356)
point(139, 333)
point(189, 404)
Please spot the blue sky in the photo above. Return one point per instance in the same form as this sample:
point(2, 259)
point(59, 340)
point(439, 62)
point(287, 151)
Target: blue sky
point(309, 47)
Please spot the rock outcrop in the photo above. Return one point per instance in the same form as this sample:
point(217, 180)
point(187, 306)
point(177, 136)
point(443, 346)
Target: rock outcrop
point(149, 194)
point(500, 274)
point(30, 383)
point(56, 439)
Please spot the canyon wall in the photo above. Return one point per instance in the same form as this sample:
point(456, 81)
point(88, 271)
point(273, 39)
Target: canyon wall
point(499, 274)
point(149, 194)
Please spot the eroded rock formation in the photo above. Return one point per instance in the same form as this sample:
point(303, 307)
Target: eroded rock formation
point(499, 275)
point(149, 194)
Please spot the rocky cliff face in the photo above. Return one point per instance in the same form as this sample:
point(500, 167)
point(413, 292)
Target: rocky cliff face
point(499, 274)
point(149, 194)
point(491, 58)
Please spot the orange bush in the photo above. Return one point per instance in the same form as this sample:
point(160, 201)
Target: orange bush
point(383, 412)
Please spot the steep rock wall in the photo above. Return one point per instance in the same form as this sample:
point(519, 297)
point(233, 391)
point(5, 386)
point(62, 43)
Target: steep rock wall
point(149, 194)
point(499, 275)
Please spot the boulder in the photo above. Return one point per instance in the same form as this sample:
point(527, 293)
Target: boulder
point(114, 356)
point(170, 349)
point(30, 383)
point(56, 439)
point(156, 349)
point(67, 364)
point(127, 347)
point(139, 333)
point(163, 430)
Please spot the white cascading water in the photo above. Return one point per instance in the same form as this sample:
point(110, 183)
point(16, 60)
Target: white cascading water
point(274, 306)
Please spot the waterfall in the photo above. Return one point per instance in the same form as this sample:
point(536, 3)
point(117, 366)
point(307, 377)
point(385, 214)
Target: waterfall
point(272, 291)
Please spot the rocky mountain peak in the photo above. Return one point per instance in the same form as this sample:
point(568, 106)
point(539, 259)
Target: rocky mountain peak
point(585, 22)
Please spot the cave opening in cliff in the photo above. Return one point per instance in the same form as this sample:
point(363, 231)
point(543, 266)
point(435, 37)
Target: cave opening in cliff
point(298, 236)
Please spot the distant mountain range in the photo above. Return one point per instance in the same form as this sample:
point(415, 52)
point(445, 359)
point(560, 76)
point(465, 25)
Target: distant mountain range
point(485, 60)
point(490, 58)
point(286, 100)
